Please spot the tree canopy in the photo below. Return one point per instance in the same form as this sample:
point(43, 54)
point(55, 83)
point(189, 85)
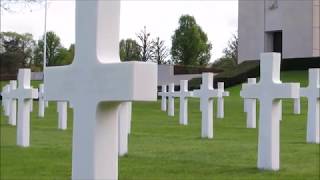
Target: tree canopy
point(190, 45)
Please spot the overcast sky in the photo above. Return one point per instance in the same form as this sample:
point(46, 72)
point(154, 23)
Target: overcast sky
point(218, 18)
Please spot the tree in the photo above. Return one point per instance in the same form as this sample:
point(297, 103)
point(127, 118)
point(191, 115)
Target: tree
point(145, 45)
point(231, 51)
point(8, 5)
point(53, 49)
point(129, 50)
point(16, 51)
point(160, 52)
point(190, 44)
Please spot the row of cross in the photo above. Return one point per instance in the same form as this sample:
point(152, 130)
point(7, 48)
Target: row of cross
point(206, 93)
point(25, 94)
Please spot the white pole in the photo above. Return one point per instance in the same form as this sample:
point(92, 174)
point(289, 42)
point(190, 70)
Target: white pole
point(45, 38)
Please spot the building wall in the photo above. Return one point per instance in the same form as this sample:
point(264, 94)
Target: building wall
point(251, 29)
point(166, 75)
point(296, 19)
point(316, 27)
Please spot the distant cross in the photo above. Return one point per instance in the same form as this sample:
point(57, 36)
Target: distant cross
point(62, 109)
point(24, 94)
point(183, 94)
point(13, 105)
point(170, 95)
point(206, 93)
point(269, 91)
point(42, 102)
point(251, 107)
point(297, 106)
point(163, 95)
point(220, 113)
point(10, 104)
point(96, 83)
point(312, 92)
point(124, 127)
point(6, 99)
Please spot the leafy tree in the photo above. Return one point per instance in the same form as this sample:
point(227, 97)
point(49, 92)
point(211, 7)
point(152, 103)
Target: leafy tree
point(8, 5)
point(53, 49)
point(129, 50)
point(190, 44)
point(160, 52)
point(16, 51)
point(231, 52)
point(145, 45)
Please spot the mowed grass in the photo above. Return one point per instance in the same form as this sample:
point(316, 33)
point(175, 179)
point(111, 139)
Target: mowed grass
point(160, 148)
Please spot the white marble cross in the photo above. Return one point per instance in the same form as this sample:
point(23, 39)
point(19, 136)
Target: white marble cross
point(312, 92)
point(297, 106)
point(183, 94)
point(62, 109)
point(24, 94)
point(251, 107)
point(6, 99)
point(124, 127)
point(170, 95)
point(96, 83)
point(13, 105)
point(206, 93)
point(163, 95)
point(42, 103)
point(10, 104)
point(269, 91)
point(220, 113)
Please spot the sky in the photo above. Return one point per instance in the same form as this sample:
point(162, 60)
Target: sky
point(218, 18)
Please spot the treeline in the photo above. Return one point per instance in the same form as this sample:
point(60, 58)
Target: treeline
point(22, 51)
point(190, 46)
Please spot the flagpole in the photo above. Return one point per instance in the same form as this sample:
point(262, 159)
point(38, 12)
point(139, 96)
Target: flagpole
point(45, 38)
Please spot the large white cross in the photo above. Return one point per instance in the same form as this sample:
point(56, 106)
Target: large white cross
point(96, 83)
point(206, 93)
point(62, 109)
point(312, 92)
point(183, 94)
point(269, 91)
point(24, 94)
point(251, 107)
point(220, 113)
point(163, 95)
point(170, 95)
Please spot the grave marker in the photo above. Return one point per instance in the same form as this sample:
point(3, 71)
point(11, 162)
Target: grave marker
point(206, 93)
point(183, 94)
point(269, 91)
point(62, 109)
point(41, 101)
point(297, 106)
point(5, 99)
point(96, 83)
point(124, 127)
point(170, 95)
point(24, 94)
point(220, 113)
point(312, 92)
point(251, 107)
point(163, 95)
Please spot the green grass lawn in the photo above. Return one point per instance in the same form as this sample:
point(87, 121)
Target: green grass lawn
point(160, 148)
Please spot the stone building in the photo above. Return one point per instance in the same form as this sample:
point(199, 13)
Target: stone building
point(291, 27)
